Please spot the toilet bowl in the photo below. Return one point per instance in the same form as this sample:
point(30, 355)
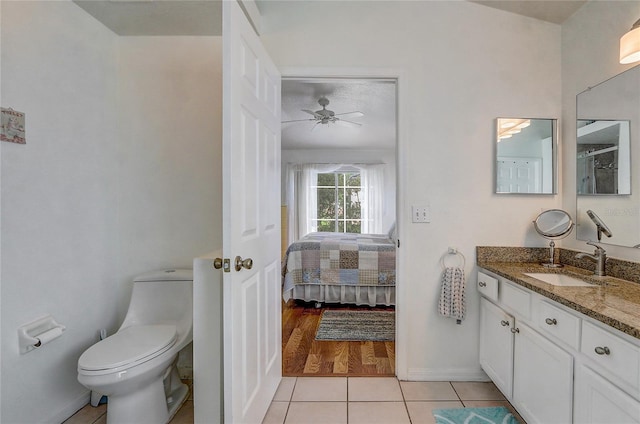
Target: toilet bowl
point(136, 367)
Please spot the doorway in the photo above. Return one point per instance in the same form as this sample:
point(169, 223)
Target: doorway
point(344, 127)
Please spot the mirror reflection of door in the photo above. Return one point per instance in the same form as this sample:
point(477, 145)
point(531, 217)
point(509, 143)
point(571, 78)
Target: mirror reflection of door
point(525, 156)
point(519, 175)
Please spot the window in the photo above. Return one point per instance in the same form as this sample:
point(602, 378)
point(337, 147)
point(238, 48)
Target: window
point(339, 207)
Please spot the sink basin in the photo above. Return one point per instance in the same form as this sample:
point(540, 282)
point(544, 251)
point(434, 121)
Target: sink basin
point(558, 279)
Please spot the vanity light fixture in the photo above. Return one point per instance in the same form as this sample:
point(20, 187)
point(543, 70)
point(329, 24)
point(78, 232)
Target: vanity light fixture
point(630, 45)
point(509, 127)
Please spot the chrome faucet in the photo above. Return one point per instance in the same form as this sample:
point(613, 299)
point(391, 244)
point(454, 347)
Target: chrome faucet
point(599, 257)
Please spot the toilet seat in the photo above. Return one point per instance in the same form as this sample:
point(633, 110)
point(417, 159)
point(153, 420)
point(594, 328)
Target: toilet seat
point(126, 348)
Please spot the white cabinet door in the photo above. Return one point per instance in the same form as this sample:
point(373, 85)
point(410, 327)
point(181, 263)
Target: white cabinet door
point(599, 402)
point(496, 345)
point(542, 379)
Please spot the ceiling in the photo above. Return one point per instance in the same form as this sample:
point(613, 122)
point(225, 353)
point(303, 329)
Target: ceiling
point(375, 98)
point(204, 17)
point(554, 11)
point(157, 17)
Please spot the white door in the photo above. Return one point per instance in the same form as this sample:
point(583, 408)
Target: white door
point(496, 345)
point(518, 175)
point(251, 221)
point(542, 379)
point(599, 402)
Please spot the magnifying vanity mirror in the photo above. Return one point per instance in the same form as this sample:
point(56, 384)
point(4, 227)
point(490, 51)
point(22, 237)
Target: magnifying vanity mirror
point(526, 155)
point(608, 124)
point(553, 224)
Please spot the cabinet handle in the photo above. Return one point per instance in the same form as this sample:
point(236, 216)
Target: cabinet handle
point(551, 321)
point(515, 330)
point(504, 323)
point(482, 284)
point(602, 350)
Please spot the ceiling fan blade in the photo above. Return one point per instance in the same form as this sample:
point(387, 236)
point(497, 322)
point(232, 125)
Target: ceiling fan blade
point(355, 114)
point(299, 120)
point(348, 123)
point(310, 112)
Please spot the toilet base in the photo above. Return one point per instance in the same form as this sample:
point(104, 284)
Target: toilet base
point(147, 405)
point(178, 398)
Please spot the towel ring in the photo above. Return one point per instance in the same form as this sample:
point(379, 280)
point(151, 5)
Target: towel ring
point(453, 252)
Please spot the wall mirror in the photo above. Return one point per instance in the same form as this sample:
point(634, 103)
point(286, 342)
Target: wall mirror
point(526, 155)
point(608, 124)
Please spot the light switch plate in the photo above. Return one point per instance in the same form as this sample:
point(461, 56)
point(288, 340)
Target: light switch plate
point(421, 213)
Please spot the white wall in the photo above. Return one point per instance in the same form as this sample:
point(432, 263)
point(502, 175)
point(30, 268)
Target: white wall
point(462, 66)
point(386, 157)
point(170, 115)
point(120, 175)
point(59, 193)
point(590, 55)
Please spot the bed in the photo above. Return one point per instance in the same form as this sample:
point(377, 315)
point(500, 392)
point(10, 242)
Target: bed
point(341, 268)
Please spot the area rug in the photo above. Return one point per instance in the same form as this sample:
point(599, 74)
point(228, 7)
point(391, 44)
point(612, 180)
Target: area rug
point(496, 415)
point(377, 326)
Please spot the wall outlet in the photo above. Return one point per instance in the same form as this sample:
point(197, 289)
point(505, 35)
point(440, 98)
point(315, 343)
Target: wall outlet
point(421, 214)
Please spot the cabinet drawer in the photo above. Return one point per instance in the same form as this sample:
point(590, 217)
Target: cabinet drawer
point(516, 299)
point(559, 324)
point(488, 286)
point(612, 354)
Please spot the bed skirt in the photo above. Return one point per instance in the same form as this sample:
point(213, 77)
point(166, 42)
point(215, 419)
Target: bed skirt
point(358, 295)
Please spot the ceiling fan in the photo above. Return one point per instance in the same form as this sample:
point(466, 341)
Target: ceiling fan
point(326, 116)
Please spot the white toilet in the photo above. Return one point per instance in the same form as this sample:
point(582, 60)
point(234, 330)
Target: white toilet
point(136, 366)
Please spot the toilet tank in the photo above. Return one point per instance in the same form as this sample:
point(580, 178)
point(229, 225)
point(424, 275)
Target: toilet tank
point(162, 297)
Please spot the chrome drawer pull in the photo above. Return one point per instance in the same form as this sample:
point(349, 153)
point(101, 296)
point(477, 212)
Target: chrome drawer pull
point(482, 284)
point(551, 321)
point(504, 323)
point(515, 330)
point(602, 350)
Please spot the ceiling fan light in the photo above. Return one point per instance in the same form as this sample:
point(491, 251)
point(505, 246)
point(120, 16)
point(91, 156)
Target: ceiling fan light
point(524, 124)
point(630, 45)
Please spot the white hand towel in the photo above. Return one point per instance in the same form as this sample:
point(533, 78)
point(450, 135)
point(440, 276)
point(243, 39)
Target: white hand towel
point(452, 301)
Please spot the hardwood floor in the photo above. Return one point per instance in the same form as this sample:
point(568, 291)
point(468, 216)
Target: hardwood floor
point(302, 355)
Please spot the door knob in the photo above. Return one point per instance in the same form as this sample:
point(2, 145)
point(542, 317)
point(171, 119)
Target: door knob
point(246, 263)
point(222, 263)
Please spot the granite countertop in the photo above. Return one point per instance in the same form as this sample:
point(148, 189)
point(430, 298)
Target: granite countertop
point(610, 300)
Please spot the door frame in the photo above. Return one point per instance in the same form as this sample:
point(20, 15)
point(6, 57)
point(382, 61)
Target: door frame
point(400, 76)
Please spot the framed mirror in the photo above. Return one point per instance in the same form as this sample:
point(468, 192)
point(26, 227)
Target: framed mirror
point(526, 156)
point(608, 124)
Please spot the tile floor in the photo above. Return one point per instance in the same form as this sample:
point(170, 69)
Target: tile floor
point(354, 400)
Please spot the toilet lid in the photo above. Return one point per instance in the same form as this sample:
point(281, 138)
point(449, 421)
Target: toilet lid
point(129, 345)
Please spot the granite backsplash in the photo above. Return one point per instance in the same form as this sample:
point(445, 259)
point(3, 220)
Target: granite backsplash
point(618, 268)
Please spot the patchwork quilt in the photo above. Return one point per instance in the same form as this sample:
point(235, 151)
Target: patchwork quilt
point(341, 259)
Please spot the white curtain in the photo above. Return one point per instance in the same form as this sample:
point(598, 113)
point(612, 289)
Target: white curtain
point(302, 197)
point(372, 181)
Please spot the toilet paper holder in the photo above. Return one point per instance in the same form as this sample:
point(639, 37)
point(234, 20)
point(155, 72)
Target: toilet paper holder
point(38, 333)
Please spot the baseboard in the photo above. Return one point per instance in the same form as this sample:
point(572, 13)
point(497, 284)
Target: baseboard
point(70, 409)
point(446, 374)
